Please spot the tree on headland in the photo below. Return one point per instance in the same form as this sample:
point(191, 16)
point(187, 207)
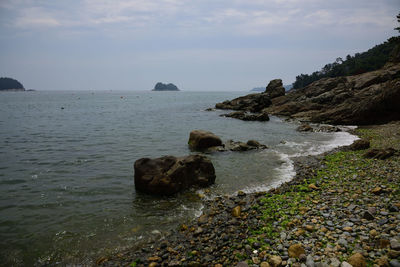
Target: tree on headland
point(9, 84)
point(373, 59)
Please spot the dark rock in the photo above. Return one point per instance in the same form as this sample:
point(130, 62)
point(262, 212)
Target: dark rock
point(240, 146)
point(201, 140)
point(169, 175)
point(367, 98)
point(256, 144)
point(377, 153)
point(242, 115)
point(394, 263)
point(305, 128)
point(328, 129)
point(275, 88)
point(393, 208)
point(367, 215)
point(359, 144)
point(250, 103)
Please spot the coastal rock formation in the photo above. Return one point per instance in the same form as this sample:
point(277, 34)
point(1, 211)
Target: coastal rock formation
point(165, 87)
point(366, 98)
point(245, 116)
point(275, 88)
point(201, 140)
point(251, 103)
point(168, 175)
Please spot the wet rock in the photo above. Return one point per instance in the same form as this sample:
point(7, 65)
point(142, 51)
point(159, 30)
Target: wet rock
point(169, 175)
point(357, 260)
point(201, 140)
point(328, 129)
point(245, 116)
point(305, 128)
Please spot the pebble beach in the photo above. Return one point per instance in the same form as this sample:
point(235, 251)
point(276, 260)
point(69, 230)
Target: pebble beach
point(341, 209)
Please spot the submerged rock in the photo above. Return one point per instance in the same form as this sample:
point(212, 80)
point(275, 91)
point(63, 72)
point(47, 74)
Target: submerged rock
point(168, 175)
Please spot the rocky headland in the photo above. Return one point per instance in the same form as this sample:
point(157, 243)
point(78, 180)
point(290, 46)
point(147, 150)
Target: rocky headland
point(362, 99)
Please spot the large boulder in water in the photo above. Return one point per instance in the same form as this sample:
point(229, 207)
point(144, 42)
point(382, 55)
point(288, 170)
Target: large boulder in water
point(275, 88)
point(168, 175)
point(201, 140)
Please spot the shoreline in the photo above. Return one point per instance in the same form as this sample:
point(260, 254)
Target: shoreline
point(233, 229)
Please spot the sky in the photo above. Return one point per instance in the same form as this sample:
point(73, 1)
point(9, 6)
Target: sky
point(199, 45)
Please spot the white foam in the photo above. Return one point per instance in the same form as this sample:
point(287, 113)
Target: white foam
point(286, 170)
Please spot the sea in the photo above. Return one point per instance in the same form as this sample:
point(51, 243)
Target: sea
point(67, 193)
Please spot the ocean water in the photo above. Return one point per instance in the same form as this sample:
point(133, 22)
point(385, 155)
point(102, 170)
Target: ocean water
point(67, 192)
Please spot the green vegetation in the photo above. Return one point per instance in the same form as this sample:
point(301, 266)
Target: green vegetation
point(9, 84)
point(373, 59)
point(340, 181)
point(165, 87)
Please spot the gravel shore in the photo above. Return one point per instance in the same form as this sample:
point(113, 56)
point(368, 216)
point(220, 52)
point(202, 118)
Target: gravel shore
point(341, 209)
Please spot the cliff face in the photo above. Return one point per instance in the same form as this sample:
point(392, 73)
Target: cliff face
point(368, 98)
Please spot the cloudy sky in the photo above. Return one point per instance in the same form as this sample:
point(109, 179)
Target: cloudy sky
point(198, 45)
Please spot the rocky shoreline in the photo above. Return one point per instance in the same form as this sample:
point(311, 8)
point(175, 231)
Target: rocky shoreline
point(340, 209)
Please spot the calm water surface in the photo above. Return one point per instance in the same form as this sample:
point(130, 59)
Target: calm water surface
point(66, 167)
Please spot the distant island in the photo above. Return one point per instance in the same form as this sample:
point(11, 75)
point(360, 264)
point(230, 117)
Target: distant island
point(9, 84)
point(262, 89)
point(165, 87)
